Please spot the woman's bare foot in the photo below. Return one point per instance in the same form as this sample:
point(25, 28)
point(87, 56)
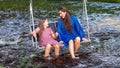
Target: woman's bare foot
point(84, 39)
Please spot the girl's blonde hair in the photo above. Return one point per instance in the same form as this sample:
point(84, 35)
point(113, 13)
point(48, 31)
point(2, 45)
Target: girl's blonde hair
point(41, 26)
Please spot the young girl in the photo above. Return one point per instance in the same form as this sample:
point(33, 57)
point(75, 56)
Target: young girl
point(46, 37)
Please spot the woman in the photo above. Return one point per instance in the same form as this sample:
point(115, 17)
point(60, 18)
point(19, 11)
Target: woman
point(70, 31)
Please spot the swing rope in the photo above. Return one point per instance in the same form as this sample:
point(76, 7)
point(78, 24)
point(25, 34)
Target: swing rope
point(86, 18)
point(33, 25)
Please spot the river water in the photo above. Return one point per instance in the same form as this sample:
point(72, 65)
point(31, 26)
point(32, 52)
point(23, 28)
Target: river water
point(102, 52)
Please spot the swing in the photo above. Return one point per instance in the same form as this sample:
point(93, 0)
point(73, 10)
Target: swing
point(53, 25)
point(85, 18)
point(33, 26)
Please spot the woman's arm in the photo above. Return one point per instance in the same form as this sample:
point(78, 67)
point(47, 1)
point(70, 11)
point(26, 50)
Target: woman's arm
point(79, 28)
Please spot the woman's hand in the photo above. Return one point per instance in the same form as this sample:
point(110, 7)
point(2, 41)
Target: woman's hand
point(61, 42)
point(85, 40)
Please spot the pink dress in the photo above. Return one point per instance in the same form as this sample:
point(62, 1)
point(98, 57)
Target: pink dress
point(46, 38)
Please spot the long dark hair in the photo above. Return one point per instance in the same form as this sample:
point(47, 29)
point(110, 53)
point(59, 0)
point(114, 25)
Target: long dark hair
point(41, 26)
point(66, 21)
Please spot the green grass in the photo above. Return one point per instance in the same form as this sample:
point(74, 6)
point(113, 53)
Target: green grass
point(13, 5)
point(40, 4)
point(111, 1)
point(1, 66)
point(25, 60)
point(50, 7)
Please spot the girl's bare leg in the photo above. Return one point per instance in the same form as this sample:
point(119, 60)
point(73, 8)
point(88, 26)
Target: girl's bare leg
point(77, 44)
point(57, 49)
point(47, 50)
point(71, 49)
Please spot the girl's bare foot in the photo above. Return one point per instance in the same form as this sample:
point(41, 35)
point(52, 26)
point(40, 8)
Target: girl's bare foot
point(48, 57)
point(75, 57)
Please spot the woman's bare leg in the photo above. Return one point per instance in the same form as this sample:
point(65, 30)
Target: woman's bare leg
point(71, 49)
point(47, 50)
point(77, 44)
point(57, 49)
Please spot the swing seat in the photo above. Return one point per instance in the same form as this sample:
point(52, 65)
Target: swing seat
point(53, 27)
point(89, 41)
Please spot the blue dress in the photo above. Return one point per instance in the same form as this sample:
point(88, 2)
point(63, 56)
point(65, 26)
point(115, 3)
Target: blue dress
point(65, 36)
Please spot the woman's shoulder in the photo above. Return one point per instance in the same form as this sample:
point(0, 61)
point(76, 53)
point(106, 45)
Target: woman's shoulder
point(72, 16)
